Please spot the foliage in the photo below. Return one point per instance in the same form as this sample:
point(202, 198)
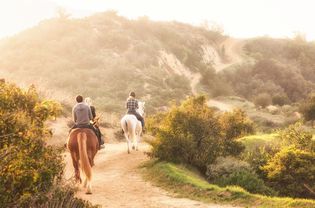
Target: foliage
point(291, 171)
point(236, 124)
point(29, 168)
point(258, 157)
point(224, 166)
point(308, 108)
point(193, 133)
point(153, 122)
point(282, 68)
point(280, 99)
point(231, 171)
point(247, 180)
point(284, 160)
point(297, 136)
point(262, 100)
point(63, 197)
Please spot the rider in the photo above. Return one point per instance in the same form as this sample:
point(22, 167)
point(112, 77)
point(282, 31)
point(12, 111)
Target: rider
point(132, 106)
point(82, 115)
point(88, 101)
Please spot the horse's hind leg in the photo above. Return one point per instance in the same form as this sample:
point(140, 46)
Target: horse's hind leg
point(75, 163)
point(128, 142)
point(134, 140)
point(87, 184)
point(137, 140)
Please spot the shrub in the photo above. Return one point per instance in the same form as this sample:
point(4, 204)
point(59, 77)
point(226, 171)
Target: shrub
point(291, 172)
point(296, 135)
point(280, 100)
point(193, 133)
point(308, 109)
point(29, 168)
point(225, 166)
point(231, 171)
point(236, 124)
point(262, 100)
point(247, 180)
point(259, 157)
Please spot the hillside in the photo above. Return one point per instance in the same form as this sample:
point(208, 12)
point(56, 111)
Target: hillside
point(105, 56)
point(284, 69)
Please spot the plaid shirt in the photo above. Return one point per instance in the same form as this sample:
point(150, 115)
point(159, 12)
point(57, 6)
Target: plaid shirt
point(132, 105)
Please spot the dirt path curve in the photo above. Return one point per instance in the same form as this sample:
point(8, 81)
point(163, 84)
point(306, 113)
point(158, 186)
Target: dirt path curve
point(117, 182)
point(234, 52)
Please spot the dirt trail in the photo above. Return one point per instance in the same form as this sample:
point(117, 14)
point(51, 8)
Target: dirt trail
point(220, 105)
point(233, 51)
point(117, 182)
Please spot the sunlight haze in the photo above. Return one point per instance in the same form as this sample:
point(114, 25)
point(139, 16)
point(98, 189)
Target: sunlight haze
point(242, 18)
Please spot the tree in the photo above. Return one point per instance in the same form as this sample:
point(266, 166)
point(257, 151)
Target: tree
point(193, 133)
point(291, 171)
point(31, 171)
point(308, 109)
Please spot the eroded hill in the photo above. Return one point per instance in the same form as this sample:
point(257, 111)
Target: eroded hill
point(105, 56)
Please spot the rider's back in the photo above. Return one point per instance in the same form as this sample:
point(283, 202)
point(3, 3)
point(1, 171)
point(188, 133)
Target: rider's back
point(81, 114)
point(131, 105)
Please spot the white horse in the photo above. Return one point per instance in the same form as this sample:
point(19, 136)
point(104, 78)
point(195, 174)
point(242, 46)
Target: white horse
point(132, 127)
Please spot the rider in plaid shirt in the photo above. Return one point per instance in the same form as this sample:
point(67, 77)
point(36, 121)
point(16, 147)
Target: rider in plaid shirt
point(132, 106)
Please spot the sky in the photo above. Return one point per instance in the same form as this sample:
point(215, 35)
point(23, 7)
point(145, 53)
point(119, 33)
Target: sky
point(238, 18)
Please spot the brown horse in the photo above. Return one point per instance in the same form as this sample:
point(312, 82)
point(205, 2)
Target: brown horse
point(83, 146)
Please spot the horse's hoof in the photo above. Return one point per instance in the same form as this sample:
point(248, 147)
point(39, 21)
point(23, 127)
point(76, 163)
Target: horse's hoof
point(128, 152)
point(89, 190)
point(133, 147)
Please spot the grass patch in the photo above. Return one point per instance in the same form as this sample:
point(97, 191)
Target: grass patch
point(188, 183)
point(253, 141)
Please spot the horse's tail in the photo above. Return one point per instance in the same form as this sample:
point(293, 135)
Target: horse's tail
point(85, 163)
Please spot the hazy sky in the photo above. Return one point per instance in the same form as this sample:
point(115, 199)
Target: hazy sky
point(239, 18)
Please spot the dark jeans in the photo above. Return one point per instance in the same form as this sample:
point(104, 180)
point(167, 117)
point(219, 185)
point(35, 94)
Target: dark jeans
point(139, 117)
point(96, 130)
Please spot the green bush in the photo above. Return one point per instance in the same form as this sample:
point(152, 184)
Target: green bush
point(232, 171)
point(225, 166)
point(292, 172)
point(286, 162)
point(29, 168)
point(308, 108)
point(193, 133)
point(296, 135)
point(258, 157)
point(247, 180)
